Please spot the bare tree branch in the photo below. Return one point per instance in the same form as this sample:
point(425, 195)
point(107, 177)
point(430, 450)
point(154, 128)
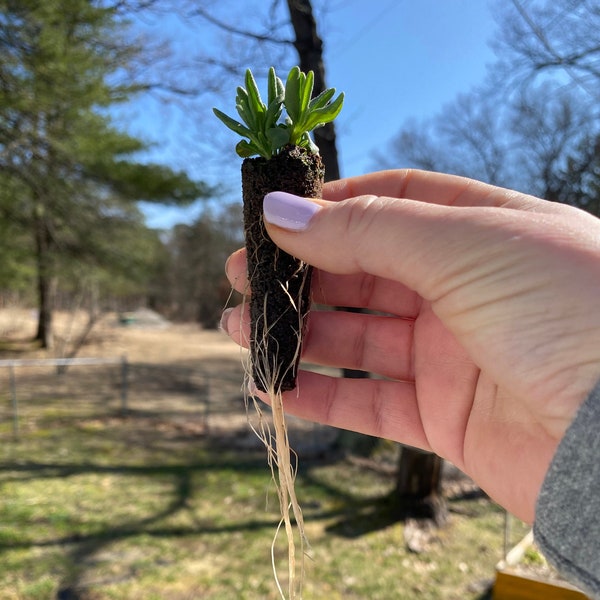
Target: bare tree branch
point(259, 37)
point(541, 37)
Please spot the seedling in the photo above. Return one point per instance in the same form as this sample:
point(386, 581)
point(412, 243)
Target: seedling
point(266, 134)
point(279, 155)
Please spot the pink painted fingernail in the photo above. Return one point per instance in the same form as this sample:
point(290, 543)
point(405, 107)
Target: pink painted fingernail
point(288, 211)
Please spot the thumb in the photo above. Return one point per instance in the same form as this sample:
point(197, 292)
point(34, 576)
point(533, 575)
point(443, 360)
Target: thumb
point(428, 247)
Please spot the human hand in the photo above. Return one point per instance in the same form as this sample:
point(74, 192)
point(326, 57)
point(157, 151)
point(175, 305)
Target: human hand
point(492, 340)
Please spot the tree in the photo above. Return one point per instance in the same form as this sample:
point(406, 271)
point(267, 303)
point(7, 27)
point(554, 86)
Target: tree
point(523, 129)
point(309, 46)
point(471, 126)
point(16, 267)
point(73, 170)
point(580, 185)
point(192, 286)
point(546, 39)
point(535, 133)
point(418, 492)
point(549, 125)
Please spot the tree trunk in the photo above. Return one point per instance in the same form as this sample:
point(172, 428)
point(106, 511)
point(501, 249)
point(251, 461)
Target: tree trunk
point(44, 284)
point(419, 485)
point(310, 51)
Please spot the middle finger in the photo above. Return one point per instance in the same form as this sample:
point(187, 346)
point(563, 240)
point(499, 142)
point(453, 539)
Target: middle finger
point(359, 290)
point(346, 340)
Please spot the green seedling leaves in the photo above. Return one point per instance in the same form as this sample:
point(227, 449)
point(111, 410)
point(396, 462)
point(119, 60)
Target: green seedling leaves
point(261, 123)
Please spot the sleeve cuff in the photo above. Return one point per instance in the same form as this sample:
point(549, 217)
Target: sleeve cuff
point(567, 522)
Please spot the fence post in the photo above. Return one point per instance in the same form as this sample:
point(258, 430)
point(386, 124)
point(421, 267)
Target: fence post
point(124, 383)
point(206, 402)
point(14, 401)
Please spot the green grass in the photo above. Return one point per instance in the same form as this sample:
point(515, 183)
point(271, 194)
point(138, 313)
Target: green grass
point(122, 508)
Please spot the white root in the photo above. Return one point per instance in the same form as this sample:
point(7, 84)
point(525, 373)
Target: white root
point(282, 460)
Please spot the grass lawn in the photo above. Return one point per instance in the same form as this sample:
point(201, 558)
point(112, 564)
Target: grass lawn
point(95, 505)
point(92, 508)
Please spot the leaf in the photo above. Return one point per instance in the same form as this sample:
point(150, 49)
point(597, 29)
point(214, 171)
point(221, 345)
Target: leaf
point(324, 115)
point(242, 105)
point(246, 149)
point(275, 88)
point(292, 94)
point(322, 99)
point(278, 136)
point(273, 113)
point(255, 101)
point(305, 141)
point(306, 88)
point(232, 123)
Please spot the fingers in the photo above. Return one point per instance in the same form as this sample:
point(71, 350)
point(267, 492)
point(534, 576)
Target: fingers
point(423, 186)
point(362, 290)
point(424, 247)
point(386, 409)
point(359, 290)
point(370, 343)
point(435, 188)
point(236, 269)
point(376, 344)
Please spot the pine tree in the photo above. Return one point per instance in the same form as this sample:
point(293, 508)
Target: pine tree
point(61, 71)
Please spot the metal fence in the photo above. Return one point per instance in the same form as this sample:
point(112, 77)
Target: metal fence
point(112, 385)
point(198, 398)
point(61, 363)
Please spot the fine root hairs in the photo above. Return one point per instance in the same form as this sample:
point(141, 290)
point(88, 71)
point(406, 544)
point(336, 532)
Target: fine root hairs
point(282, 460)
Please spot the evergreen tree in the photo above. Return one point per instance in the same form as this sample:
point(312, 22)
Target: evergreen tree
point(75, 177)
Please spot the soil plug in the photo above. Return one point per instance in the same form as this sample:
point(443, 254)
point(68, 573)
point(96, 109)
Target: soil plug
point(279, 155)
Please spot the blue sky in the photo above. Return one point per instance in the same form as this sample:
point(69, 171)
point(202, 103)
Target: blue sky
point(405, 59)
point(394, 60)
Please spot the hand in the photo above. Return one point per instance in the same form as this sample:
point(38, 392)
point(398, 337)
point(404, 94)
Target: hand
point(493, 336)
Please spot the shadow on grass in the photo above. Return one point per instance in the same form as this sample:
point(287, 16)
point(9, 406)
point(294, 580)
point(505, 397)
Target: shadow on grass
point(183, 488)
point(360, 516)
point(354, 515)
point(357, 516)
point(80, 548)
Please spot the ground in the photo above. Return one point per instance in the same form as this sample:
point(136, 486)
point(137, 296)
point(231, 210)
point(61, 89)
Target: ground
point(169, 495)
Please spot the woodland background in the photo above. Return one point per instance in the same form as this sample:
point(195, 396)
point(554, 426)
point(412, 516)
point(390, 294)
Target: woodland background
point(73, 181)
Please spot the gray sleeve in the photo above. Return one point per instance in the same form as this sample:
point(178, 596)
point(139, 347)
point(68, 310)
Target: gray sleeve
point(567, 523)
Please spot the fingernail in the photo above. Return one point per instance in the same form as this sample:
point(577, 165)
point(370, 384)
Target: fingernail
point(224, 320)
point(288, 211)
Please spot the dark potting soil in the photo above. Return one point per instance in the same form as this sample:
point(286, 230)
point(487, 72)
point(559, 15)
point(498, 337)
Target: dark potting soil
point(280, 283)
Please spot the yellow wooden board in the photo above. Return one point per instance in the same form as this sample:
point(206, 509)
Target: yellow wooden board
point(509, 586)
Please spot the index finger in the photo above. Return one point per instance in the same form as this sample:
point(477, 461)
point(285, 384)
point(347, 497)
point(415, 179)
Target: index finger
point(434, 188)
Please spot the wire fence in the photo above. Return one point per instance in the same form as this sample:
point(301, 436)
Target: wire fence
point(31, 389)
point(198, 399)
point(61, 364)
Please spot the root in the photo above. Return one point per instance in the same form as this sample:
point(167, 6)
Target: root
point(283, 463)
point(282, 460)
